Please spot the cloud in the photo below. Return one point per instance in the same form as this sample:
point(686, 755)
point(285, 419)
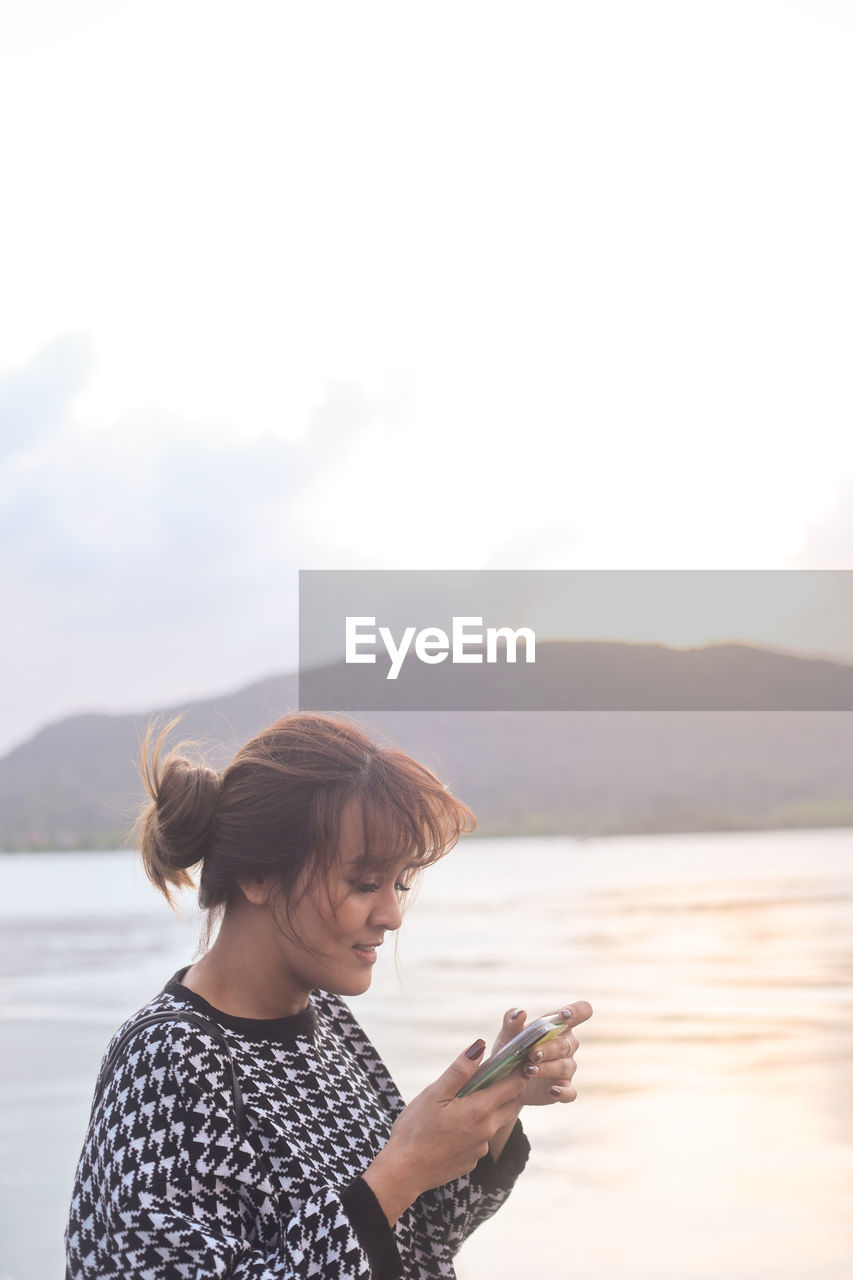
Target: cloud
point(548, 546)
point(35, 400)
point(149, 558)
point(828, 542)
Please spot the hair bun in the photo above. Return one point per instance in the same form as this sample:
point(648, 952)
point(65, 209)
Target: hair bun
point(175, 828)
point(186, 803)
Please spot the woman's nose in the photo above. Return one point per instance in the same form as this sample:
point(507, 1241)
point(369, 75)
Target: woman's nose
point(387, 913)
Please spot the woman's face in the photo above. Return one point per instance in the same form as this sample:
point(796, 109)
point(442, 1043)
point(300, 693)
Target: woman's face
point(331, 935)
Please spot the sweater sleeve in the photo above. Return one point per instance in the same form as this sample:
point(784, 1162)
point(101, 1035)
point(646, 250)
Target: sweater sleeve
point(448, 1213)
point(168, 1188)
point(456, 1208)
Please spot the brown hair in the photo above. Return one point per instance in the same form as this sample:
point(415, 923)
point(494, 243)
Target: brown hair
point(276, 810)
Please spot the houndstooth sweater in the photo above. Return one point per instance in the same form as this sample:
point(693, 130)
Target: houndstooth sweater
point(169, 1186)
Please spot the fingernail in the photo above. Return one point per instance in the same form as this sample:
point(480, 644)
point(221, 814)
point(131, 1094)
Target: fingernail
point(514, 1014)
point(554, 1091)
point(537, 1056)
point(530, 1070)
point(476, 1049)
point(566, 1013)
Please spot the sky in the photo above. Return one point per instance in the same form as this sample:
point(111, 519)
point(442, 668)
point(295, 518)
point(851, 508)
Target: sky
point(468, 285)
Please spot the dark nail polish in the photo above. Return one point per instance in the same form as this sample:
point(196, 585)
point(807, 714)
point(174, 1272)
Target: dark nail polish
point(476, 1049)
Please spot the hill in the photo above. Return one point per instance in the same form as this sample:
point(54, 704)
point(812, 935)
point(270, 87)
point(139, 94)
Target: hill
point(74, 784)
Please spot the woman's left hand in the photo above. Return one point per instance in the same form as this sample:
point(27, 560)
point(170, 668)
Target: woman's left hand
point(551, 1066)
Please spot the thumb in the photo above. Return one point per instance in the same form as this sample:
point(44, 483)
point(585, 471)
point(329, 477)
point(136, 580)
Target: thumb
point(513, 1022)
point(462, 1068)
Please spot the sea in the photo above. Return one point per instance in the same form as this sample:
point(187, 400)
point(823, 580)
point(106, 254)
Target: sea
point(712, 1135)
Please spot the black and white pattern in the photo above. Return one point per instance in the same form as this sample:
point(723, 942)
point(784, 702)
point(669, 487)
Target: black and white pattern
point(169, 1188)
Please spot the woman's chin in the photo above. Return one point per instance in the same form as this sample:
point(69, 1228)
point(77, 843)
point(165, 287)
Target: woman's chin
point(352, 984)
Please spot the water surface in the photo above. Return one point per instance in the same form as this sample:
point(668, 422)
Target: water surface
point(713, 1133)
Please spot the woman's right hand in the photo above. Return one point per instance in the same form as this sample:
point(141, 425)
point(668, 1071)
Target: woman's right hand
point(438, 1136)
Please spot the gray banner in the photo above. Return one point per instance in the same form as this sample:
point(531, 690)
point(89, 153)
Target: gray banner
point(573, 640)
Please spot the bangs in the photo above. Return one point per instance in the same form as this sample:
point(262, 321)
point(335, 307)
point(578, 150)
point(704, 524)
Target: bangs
point(408, 815)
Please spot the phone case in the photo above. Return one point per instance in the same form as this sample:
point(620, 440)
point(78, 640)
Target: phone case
point(505, 1061)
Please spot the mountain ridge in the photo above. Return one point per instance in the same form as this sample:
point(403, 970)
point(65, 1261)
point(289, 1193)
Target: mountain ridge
point(73, 784)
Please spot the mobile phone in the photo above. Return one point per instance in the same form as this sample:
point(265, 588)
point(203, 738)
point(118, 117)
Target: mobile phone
point(505, 1061)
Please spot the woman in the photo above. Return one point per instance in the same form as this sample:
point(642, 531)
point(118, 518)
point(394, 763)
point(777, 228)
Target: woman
point(243, 1124)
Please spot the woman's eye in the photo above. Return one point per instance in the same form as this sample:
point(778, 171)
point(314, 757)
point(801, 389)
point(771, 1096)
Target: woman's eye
point(373, 887)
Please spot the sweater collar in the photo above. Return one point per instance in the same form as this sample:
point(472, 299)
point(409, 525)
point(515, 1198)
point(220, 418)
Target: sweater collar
point(287, 1030)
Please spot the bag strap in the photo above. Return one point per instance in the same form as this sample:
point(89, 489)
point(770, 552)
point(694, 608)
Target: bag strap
point(175, 1015)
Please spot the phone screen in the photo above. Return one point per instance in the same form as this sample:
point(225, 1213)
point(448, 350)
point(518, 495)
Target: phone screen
point(511, 1056)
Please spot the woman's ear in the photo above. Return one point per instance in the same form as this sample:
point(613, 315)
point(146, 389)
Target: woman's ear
point(256, 889)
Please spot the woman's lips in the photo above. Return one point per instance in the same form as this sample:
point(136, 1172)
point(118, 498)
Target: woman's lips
point(366, 953)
